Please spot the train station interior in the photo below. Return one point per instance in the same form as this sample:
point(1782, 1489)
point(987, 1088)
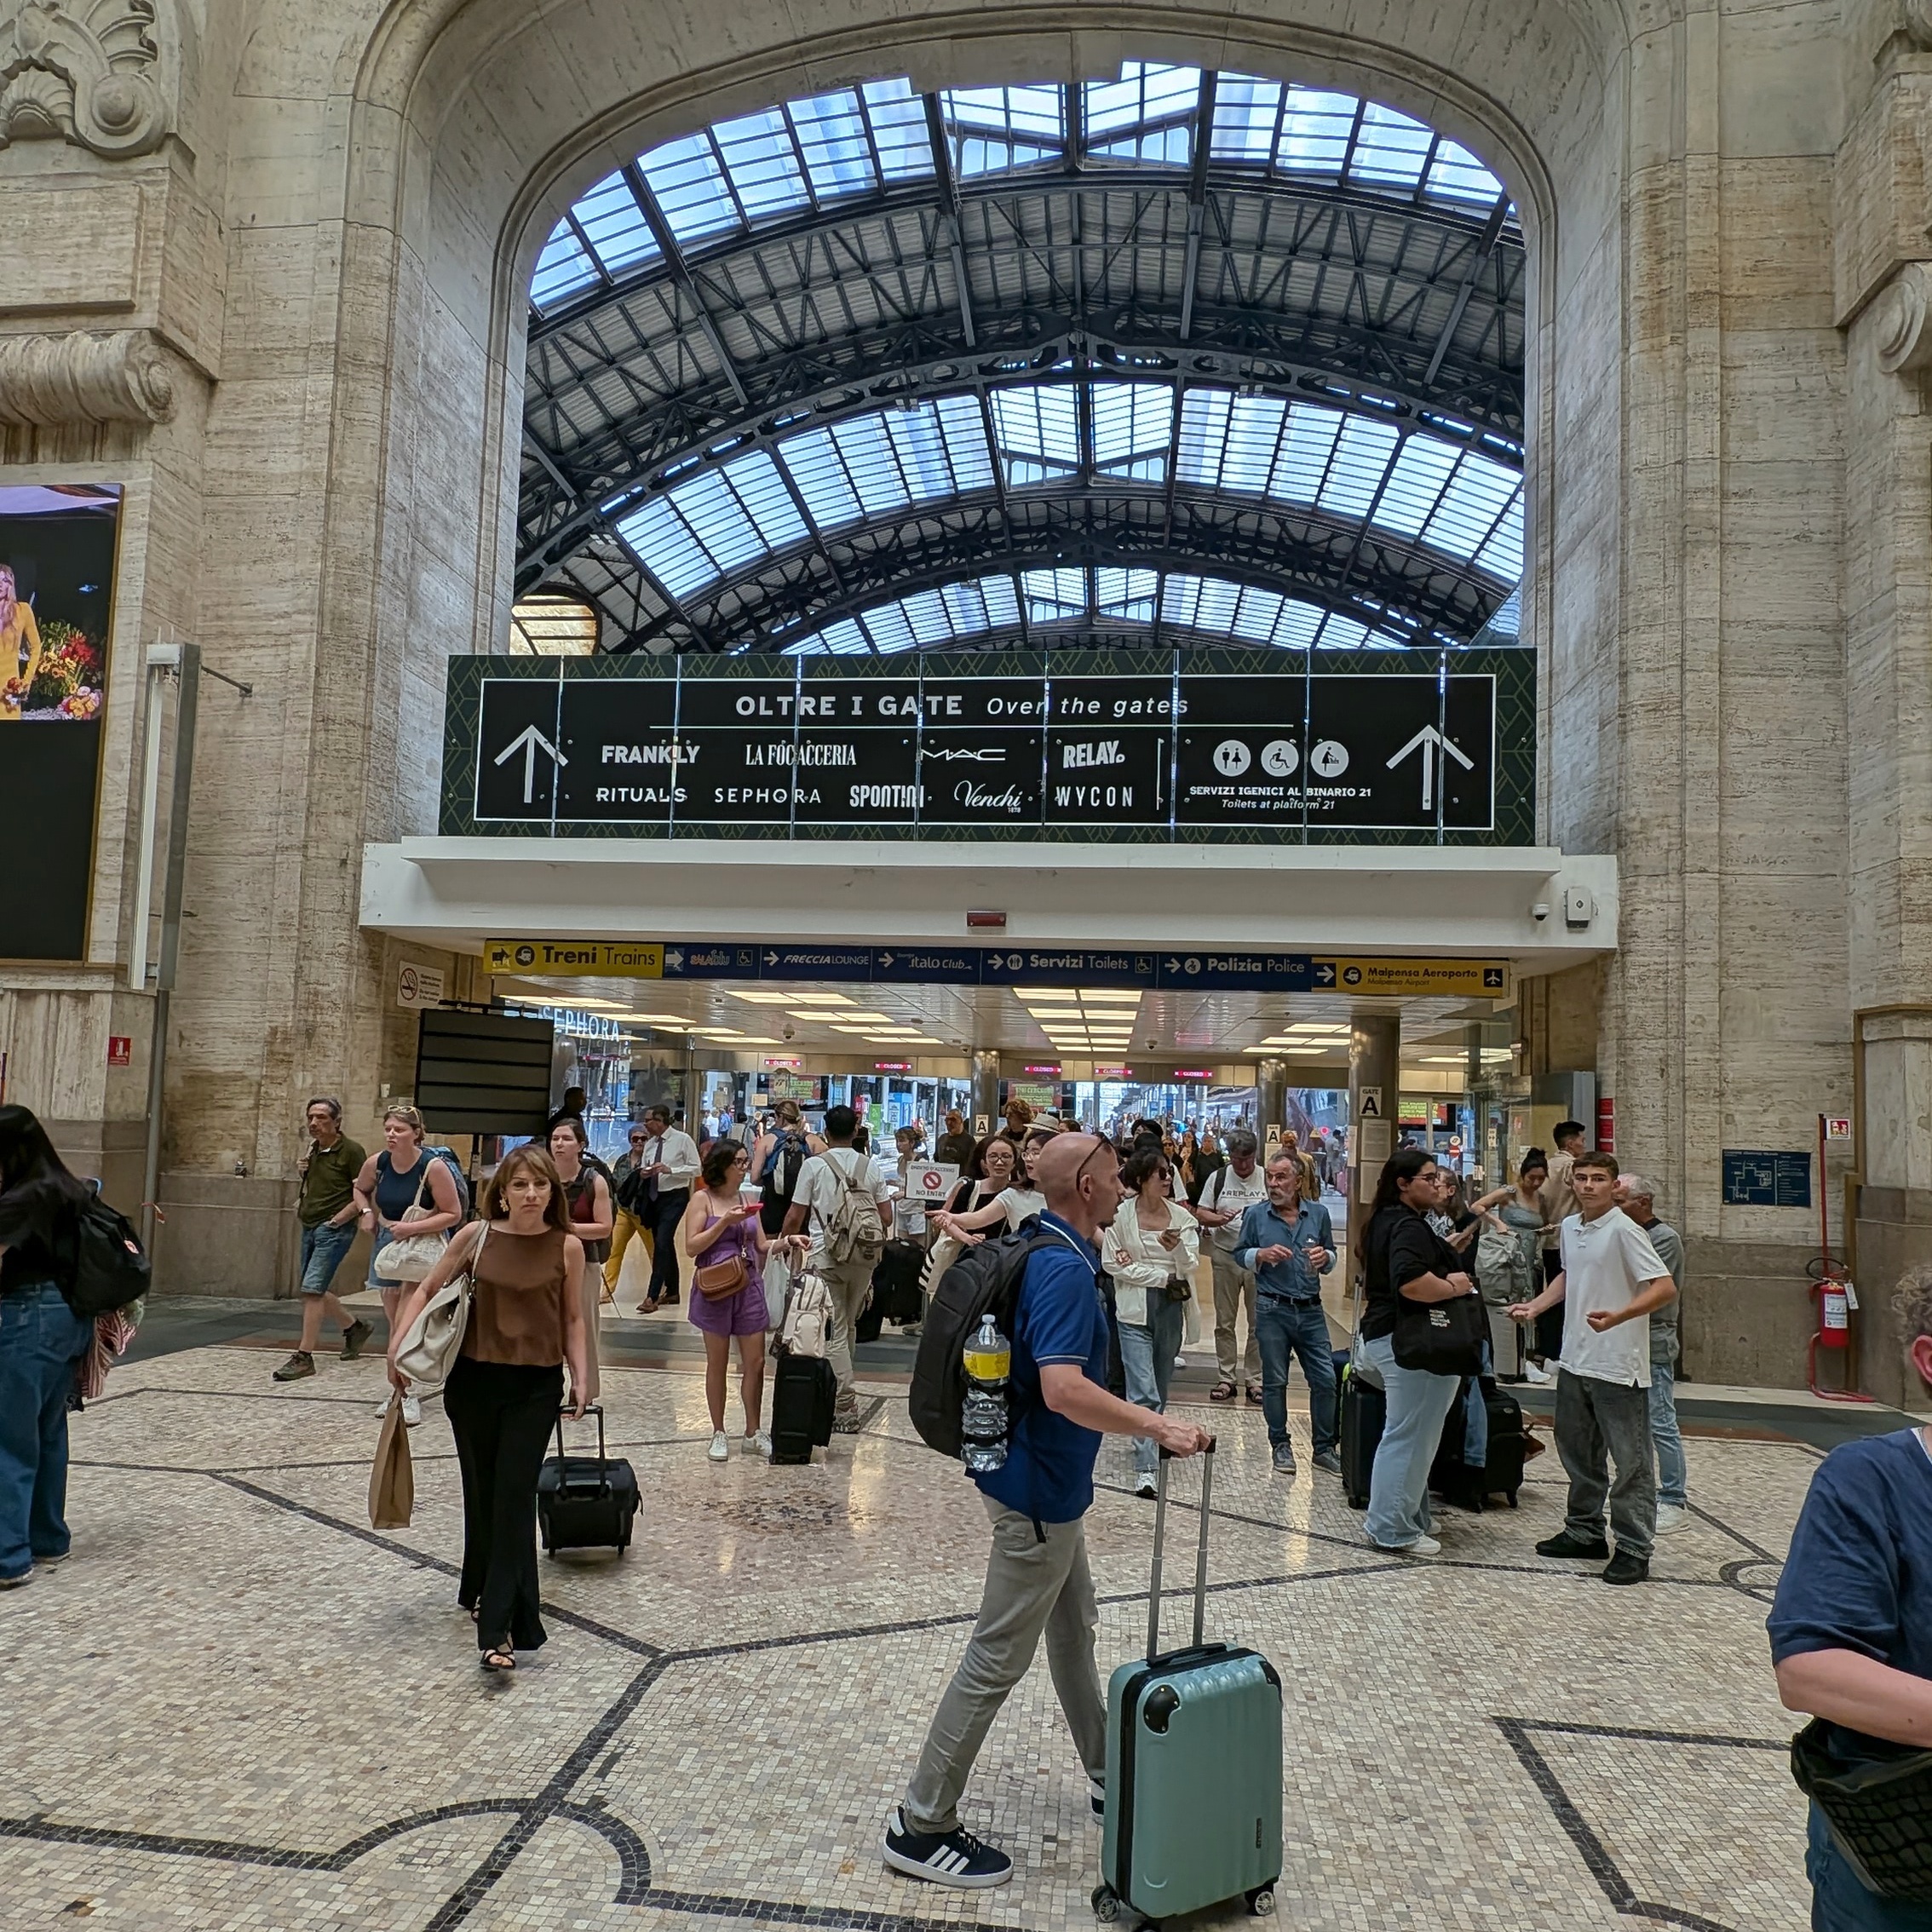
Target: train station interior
point(648, 574)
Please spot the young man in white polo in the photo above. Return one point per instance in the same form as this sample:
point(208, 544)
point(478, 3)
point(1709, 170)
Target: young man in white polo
point(1610, 1280)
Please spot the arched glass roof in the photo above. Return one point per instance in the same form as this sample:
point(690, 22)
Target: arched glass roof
point(1088, 601)
point(806, 155)
point(828, 360)
point(1053, 436)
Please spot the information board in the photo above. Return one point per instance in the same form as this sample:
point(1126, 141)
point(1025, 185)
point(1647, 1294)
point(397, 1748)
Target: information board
point(1201, 744)
point(1755, 1177)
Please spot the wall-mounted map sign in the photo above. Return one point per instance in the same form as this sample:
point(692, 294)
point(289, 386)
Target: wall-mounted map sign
point(1214, 744)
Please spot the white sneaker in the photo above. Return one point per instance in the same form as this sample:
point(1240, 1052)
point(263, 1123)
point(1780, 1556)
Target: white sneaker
point(1534, 1373)
point(759, 1445)
point(1423, 1546)
point(383, 1407)
point(720, 1447)
point(1670, 1518)
point(411, 1411)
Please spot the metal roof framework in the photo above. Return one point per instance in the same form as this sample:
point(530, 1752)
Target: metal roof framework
point(852, 349)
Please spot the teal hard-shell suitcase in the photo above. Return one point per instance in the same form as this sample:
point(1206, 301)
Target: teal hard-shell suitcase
point(1193, 1765)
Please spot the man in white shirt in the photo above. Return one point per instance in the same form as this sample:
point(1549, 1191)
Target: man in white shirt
point(823, 1181)
point(1230, 1193)
point(1610, 1279)
point(664, 1172)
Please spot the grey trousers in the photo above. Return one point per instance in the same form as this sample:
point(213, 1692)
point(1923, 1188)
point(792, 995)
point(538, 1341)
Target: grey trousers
point(848, 1284)
point(1234, 1291)
point(1032, 1587)
point(1599, 1424)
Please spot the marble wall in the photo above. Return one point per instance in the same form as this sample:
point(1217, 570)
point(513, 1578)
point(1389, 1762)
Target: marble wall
point(327, 223)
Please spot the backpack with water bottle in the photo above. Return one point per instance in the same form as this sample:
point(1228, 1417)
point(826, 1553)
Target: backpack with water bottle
point(983, 1281)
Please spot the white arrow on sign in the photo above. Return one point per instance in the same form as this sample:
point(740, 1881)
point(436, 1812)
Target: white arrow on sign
point(771, 959)
point(530, 741)
point(1435, 748)
point(675, 960)
point(885, 959)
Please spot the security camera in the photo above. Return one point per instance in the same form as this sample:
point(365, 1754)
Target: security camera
point(788, 1029)
point(1539, 910)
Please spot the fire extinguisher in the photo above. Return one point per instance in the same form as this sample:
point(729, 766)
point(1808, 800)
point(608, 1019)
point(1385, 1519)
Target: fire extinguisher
point(1837, 1298)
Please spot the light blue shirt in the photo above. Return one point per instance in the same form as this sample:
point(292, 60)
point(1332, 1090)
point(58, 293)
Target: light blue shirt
point(1264, 1226)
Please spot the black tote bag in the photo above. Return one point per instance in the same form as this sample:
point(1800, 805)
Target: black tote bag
point(1440, 1337)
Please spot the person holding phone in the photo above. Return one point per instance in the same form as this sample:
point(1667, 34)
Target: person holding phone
point(722, 1228)
point(526, 1326)
point(1151, 1249)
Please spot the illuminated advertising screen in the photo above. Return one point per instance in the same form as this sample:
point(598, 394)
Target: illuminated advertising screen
point(56, 601)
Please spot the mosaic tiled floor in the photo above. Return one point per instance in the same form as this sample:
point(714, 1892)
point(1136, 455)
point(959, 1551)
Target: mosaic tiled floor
point(237, 1706)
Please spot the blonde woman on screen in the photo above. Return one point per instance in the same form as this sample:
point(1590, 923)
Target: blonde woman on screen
point(18, 630)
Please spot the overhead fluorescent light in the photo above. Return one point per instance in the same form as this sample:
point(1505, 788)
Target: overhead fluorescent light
point(1119, 995)
point(1318, 1027)
point(659, 1020)
point(765, 997)
point(819, 998)
point(904, 1039)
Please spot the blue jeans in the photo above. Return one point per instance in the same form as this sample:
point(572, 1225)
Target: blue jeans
point(1147, 1353)
point(1475, 1416)
point(1665, 1434)
point(1839, 1903)
point(322, 1251)
point(41, 1341)
point(1298, 1328)
point(1419, 1405)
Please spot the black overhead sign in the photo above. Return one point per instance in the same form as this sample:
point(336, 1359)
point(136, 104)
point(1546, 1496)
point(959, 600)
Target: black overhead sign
point(1206, 744)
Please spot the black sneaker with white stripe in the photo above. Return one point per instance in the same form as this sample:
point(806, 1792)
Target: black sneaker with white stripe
point(946, 1858)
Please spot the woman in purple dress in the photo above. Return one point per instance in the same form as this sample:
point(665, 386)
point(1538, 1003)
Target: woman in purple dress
point(721, 1230)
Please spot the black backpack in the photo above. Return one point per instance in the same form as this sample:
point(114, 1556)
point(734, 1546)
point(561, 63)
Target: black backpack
point(984, 1279)
point(782, 1170)
point(110, 1267)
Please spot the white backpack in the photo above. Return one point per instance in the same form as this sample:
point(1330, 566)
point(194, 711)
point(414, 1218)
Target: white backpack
point(808, 1316)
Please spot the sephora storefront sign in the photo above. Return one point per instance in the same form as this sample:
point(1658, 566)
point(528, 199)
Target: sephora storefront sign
point(1188, 746)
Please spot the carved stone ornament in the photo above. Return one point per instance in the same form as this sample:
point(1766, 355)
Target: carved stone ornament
point(1898, 313)
point(102, 74)
point(126, 376)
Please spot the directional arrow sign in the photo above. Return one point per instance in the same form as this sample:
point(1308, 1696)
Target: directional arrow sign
point(530, 741)
point(1324, 972)
point(1434, 749)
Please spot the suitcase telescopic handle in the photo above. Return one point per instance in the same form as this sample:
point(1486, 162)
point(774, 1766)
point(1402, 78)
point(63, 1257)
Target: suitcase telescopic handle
point(594, 1409)
point(1159, 1544)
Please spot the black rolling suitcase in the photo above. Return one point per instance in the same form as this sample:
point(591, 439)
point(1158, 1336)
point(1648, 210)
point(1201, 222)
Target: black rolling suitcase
point(1365, 1412)
point(1502, 1475)
point(895, 1282)
point(803, 1391)
point(586, 1502)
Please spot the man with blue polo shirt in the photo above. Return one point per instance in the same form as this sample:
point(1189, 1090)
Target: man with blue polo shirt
point(1289, 1242)
point(1038, 1579)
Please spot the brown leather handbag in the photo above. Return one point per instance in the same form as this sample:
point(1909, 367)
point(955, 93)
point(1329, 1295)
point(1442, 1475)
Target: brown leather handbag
point(722, 1279)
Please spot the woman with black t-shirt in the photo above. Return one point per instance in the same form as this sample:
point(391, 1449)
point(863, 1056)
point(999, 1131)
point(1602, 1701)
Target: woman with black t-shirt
point(1403, 1258)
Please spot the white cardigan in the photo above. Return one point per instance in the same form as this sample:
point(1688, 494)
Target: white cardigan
point(1140, 1265)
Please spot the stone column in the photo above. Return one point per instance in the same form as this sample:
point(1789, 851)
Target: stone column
point(1271, 1098)
point(1375, 1071)
point(985, 1088)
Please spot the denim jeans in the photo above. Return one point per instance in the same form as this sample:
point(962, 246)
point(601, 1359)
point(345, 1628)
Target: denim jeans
point(1602, 1426)
point(1839, 1903)
point(1298, 1328)
point(1147, 1350)
point(1419, 1405)
point(1475, 1416)
point(41, 1341)
point(323, 1247)
point(1663, 1432)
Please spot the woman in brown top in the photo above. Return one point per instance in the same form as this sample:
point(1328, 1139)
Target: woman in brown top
point(592, 1218)
point(526, 1322)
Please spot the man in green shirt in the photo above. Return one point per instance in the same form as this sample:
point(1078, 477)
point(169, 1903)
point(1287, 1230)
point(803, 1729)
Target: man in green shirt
point(326, 1208)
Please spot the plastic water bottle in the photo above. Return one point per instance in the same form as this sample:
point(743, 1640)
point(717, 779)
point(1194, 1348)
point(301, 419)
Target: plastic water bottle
point(982, 1420)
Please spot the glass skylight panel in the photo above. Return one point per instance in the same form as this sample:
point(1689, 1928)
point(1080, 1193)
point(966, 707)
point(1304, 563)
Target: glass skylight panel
point(1133, 423)
point(1245, 112)
point(1039, 428)
point(843, 639)
point(1143, 115)
point(1127, 596)
point(561, 269)
point(1316, 129)
point(1361, 462)
point(1416, 482)
point(999, 129)
point(1456, 175)
point(830, 131)
point(713, 522)
point(897, 119)
point(1503, 554)
point(687, 177)
point(1475, 502)
point(1054, 596)
point(1391, 151)
point(614, 224)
